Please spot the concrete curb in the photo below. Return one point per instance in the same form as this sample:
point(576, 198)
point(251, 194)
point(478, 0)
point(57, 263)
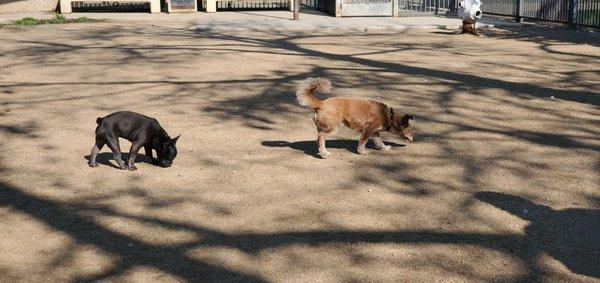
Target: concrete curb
point(201, 28)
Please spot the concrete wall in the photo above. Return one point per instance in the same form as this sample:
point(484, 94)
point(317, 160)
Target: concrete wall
point(18, 6)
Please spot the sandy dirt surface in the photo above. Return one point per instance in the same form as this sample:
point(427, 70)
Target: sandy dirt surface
point(501, 182)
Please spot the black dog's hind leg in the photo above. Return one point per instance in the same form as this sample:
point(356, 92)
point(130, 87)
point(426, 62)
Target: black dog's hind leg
point(132, 155)
point(97, 147)
point(113, 144)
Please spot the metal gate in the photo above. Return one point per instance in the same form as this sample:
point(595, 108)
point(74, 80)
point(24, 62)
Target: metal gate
point(325, 6)
point(351, 8)
point(419, 7)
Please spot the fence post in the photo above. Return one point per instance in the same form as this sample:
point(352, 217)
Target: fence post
point(296, 9)
point(571, 16)
point(518, 18)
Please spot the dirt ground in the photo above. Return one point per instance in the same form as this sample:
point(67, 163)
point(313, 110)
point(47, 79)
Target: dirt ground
point(501, 183)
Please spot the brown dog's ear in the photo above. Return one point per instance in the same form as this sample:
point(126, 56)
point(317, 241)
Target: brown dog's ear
point(406, 119)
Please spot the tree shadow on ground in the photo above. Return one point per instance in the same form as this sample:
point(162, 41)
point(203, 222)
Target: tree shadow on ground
point(454, 79)
point(544, 34)
point(310, 147)
point(131, 252)
point(76, 219)
point(571, 236)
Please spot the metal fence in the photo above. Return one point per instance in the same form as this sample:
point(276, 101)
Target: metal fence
point(326, 6)
point(110, 6)
point(416, 7)
point(573, 12)
point(252, 5)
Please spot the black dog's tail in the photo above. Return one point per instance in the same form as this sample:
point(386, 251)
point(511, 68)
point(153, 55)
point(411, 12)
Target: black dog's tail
point(98, 121)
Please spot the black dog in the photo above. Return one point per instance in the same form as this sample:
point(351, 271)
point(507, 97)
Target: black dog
point(141, 131)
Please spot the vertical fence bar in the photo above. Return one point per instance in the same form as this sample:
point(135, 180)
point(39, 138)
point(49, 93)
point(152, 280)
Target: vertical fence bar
point(571, 16)
point(519, 11)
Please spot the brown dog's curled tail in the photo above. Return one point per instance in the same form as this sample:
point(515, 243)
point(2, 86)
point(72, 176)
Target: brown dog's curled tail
point(305, 92)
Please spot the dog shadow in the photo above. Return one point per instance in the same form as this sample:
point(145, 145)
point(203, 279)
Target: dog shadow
point(310, 147)
point(104, 158)
point(447, 32)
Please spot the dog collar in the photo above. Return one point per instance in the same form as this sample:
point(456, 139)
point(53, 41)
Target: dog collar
point(390, 120)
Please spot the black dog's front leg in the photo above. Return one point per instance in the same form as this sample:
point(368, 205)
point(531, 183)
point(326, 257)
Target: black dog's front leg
point(135, 147)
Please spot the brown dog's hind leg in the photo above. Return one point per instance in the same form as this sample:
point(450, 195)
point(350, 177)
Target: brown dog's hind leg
point(321, 144)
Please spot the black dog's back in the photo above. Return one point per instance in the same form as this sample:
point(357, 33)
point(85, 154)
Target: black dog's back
point(131, 126)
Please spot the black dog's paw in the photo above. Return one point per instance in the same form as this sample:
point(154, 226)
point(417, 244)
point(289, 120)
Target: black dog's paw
point(92, 164)
point(132, 168)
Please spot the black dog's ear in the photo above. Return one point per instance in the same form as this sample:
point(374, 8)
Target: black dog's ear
point(174, 140)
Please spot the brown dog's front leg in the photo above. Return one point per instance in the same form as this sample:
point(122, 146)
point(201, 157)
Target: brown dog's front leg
point(363, 142)
point(379, 142)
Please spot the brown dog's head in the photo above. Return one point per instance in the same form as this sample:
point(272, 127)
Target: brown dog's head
point(402, 126)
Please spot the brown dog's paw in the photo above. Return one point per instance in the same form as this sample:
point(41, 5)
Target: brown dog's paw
point(385, 147)
point(324, 154)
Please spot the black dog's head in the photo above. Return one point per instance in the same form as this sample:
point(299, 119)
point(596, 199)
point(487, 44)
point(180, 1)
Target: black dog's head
point(166, 152)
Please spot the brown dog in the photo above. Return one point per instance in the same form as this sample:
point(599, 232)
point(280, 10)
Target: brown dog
point(371, 118)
